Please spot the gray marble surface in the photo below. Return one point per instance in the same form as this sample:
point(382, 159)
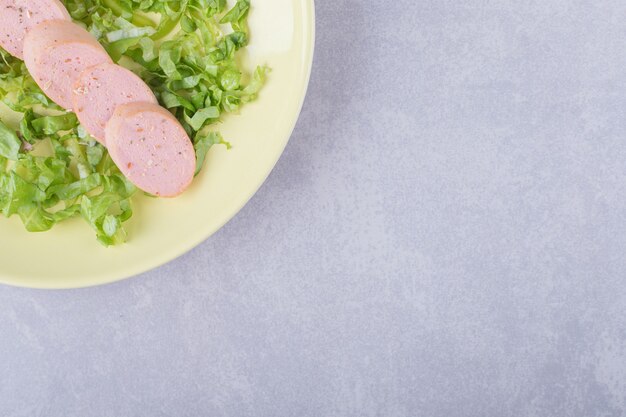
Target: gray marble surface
point(445, 235)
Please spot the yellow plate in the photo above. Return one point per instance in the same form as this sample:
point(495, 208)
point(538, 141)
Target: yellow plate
point(161, 230)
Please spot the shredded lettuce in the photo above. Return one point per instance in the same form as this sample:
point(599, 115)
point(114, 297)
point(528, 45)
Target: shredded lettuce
point(52, 170)
point(49, 169)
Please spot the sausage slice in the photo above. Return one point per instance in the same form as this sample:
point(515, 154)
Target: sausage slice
point(18, 17)
point(100, 90)
point(56, 52)
point(151, 148)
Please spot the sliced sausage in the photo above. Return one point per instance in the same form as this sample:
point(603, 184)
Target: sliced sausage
point(151, 148)
point(56, 52)
point(56, 32)
point(100, 90)
point(18, 17)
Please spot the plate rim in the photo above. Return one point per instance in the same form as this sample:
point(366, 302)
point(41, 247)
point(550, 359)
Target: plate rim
point(154, 263)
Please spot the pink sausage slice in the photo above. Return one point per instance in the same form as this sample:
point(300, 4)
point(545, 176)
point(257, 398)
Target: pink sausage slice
point(56, 52)
point(55, 32)
point(18, 17)
point(100, 90)
point(151, 148)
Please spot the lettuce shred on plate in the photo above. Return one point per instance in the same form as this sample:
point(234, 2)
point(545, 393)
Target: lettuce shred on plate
point(52, 170)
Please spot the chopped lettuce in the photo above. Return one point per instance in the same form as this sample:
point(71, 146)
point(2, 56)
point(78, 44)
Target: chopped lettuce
point(10, 144)
point(51, 170)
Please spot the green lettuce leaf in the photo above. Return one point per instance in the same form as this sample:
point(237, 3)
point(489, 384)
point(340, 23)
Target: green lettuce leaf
point(9, 143)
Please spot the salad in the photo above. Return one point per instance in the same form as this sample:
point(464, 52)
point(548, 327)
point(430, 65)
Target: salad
point(52, 169)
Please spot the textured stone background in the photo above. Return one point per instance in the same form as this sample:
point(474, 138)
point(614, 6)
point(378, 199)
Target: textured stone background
point(444, 236)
